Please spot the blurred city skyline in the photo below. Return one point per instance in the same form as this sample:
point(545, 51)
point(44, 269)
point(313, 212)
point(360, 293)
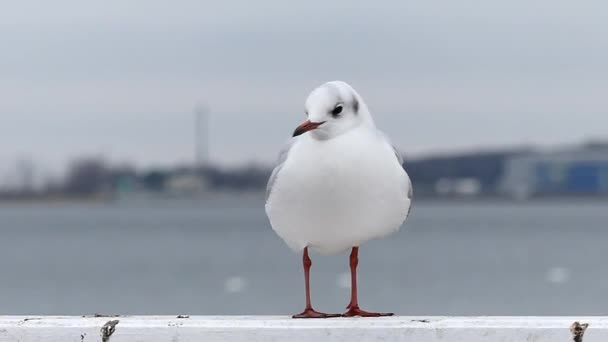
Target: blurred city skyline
point(122, 78)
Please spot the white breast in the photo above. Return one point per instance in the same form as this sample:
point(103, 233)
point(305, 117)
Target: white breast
point(335, 194)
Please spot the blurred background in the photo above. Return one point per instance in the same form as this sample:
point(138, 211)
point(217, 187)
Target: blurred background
point(136, 138)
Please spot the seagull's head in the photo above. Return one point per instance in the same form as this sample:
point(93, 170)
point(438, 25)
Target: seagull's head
point(333, 109)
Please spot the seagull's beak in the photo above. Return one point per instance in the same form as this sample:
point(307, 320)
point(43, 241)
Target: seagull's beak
point(306, 126)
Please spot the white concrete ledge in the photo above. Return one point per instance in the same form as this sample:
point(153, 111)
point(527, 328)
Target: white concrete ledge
point(281, 328)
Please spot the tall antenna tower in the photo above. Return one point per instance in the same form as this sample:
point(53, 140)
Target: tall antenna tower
point(201, 136)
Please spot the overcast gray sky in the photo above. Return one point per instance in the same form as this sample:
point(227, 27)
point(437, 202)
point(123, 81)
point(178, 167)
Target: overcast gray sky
point(121, 77)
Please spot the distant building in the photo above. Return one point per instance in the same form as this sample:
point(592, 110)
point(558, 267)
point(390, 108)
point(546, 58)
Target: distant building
point(186, 184)
point(458, 187)
point(581, 171)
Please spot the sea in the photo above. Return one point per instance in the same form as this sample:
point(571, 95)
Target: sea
point(217, 255)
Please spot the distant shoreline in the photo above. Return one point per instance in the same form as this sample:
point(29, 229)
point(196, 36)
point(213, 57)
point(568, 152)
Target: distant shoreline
point(52, 200)
point(106, 199)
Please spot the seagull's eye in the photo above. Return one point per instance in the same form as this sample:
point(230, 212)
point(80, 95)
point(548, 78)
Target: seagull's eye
point(337, 110)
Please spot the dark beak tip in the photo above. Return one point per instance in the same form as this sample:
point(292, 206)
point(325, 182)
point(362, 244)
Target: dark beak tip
point(299, 131)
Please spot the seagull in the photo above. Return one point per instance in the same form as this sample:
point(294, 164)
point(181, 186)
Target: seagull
point(339, 183)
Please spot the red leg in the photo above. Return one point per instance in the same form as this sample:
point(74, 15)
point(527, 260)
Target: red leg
point(353, 307)
point(309, 312)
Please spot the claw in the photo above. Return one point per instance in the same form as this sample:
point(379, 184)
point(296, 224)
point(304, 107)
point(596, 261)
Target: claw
point(355, 311)
point(311, 313)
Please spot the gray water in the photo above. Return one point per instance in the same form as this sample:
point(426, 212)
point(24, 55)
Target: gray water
point(218, 255)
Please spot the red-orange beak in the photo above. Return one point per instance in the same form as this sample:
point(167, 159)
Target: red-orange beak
point(306, 126)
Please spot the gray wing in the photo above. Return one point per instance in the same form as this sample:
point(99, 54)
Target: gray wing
point(282, 157)
point(410, 191)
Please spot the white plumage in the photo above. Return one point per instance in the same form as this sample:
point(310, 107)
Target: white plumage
point(341, 183)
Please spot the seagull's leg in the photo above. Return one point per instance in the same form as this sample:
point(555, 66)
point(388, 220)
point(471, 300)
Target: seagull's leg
point(353, 307)
point(309, 312)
